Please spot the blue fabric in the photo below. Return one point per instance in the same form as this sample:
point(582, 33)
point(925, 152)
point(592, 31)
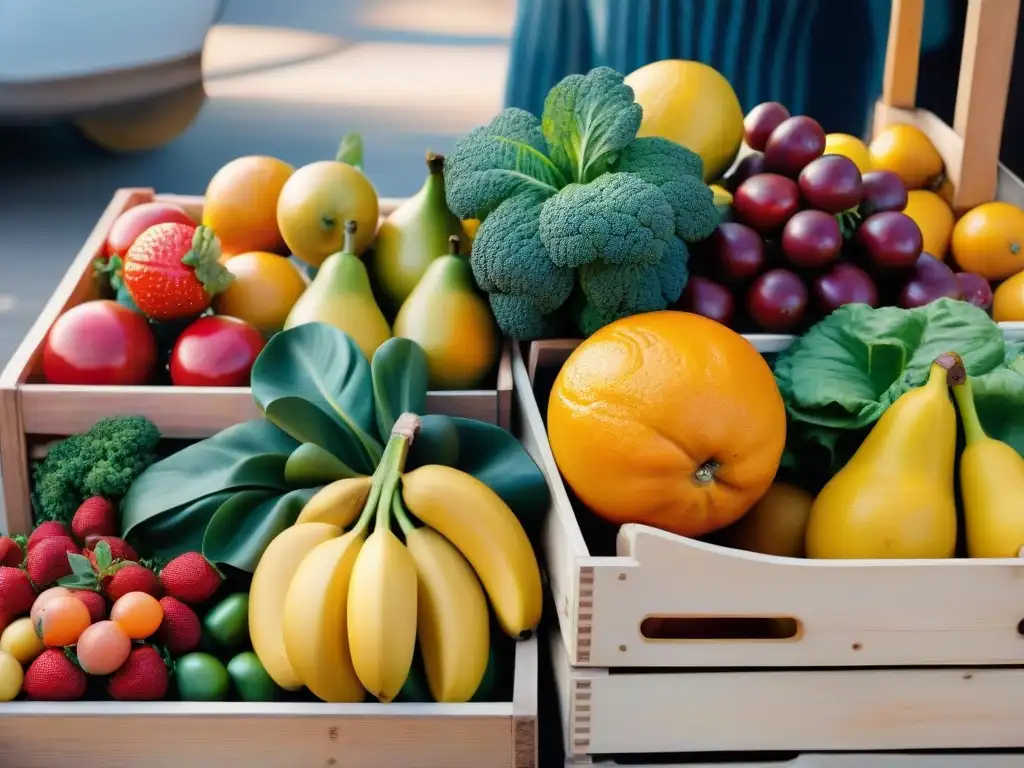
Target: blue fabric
point(819, 57)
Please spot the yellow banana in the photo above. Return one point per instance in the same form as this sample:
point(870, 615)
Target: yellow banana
point(451, 620)
point(382, 613)
point(315, 617)
point(338, 503)
point(267, 594)
point(483, 528)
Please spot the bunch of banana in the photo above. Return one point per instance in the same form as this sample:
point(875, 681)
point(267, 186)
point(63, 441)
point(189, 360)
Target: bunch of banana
point(342, 612)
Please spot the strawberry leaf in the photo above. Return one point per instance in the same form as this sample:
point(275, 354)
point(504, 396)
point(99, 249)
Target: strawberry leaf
point(80, 565)
point(104, 557)
point(69, 651)
point(87, 582)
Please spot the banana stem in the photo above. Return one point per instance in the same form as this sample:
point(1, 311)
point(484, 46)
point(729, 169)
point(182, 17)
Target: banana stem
point(964, 394)
point(402, 434)
point(398, 510)
point(375, 488)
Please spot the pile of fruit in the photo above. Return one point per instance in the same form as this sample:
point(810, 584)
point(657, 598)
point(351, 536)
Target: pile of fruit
point(191, 303)
point(343, 547)
point(83, 616)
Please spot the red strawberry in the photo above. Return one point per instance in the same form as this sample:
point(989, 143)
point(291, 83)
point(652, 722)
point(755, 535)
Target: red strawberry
point(94, 517)
point(190, 578)
point(94, 602)
point(173, 271)
point(48, 560)
point(132, 578)
point(54, 677)
point(143, 677)
point(180, 630)
point(46, 530)
point(16, 594)
point(10, 552)
point(119, 548)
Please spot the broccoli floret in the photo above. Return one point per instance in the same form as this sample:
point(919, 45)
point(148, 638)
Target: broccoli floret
point(673, 271)
point(508, 257)
point(659, 160)
point(498, 161)
point(520, 318)
point(587, 120)
point(101, 462)
point(617, 290)
point(694, 206)
point(618, 217)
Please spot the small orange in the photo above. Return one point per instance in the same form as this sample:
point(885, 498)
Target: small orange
point(265, 288)
point(850, 147)
point(1008, 300)
point(908, 152)
point(44, 597)
point(933, 217)
point(102, 648)
point(138, 613)
point(989, 240)
point(62, 620)
point(241, 203)
point(668, 419)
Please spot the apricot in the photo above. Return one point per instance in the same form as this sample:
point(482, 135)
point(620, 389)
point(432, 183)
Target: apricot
point(43, 598)
point(62, 620)
point(138, 613)
point(103, 648)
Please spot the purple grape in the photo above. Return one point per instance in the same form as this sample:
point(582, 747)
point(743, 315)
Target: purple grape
point(831, 183)
point(811, 239)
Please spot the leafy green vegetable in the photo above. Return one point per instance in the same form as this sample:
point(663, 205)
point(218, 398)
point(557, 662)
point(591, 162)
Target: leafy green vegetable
point(230, 494)
point(563, 200)
point(587, 120)
point(841, 376)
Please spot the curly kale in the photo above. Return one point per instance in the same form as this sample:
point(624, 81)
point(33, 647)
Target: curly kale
point(577, 212)
point(101, 462)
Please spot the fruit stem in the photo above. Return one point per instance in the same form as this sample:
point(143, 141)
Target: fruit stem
point(398, 510)
point(402, 434)
point(349, 243)
point(204, 259)
point(435, 163)
point(706, 472)
point(453, 245)
point(951, 363)
point(964, 394)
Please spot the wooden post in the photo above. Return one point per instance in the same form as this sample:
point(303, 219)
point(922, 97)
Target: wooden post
point(903, 53)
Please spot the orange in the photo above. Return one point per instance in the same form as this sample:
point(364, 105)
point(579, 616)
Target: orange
point(850, 147)
point(241, 204)
point(668, 419)
point(989, 240)
point(933, 217)
point(44, 597)
point(1008, 300)
point(138, 613)
point(691, 104)
point(909, 153)
point(62, 620)
point(102, 648)
point(265, 288)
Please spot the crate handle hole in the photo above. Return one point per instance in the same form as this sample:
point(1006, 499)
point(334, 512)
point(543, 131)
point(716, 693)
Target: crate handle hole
point(719, 628)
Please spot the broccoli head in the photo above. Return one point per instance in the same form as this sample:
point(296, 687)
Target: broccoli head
point(520, 318)
point(618, 217)
point(101, 462)
point(498, 161)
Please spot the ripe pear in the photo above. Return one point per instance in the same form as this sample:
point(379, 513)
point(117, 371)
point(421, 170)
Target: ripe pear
point(894, 498)
point(453, 323)
point(413, 236)
point(340, 295)
point(991, 486)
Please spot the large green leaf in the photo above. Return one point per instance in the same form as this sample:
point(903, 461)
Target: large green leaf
point(179, 530)
point(248, 455)
point(400, 375)
point(242, 528)
point(313, 375)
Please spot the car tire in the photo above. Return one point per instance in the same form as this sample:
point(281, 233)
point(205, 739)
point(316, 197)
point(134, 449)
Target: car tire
point(145, 124)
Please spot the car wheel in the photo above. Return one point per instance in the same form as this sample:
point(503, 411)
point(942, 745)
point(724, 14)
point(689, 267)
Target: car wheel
point(145, 124)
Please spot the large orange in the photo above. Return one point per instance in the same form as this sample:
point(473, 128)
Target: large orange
point(933, 217)
point(265, 288)
point(1008, 300)
point(668, 419)
point(241, 204)
point(989, 240)
point(908, 152)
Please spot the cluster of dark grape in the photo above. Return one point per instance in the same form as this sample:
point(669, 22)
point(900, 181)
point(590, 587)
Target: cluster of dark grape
point(808, 233)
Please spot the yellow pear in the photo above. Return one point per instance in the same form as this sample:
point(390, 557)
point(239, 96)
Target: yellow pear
point(453, 323)
point(340, 295)
point(894, 498)
point(991, 486)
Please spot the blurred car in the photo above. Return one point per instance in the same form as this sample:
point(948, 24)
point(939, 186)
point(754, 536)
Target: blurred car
point(127, 73)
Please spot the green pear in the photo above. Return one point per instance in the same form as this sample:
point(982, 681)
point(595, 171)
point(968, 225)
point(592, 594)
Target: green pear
point(452, 322)
point(412, 236)
point(340, 295)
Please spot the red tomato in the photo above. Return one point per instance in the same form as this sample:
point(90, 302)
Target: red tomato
point(215, 351)
point(133, 222)
point(99, 342)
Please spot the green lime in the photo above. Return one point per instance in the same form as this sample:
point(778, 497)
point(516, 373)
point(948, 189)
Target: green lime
point(201, 677)
point(250, 678)
point(228, 621)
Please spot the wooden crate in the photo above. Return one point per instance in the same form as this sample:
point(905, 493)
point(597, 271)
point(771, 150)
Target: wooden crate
point(101, 734)
point(31, 410)
point(872, 642)
point(832, 760)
